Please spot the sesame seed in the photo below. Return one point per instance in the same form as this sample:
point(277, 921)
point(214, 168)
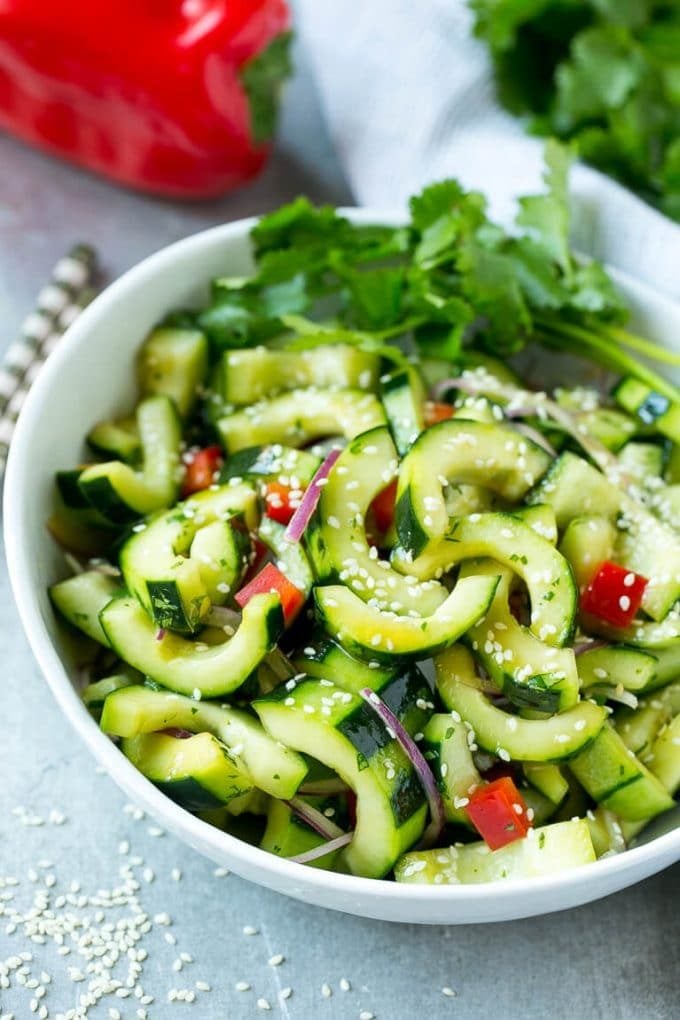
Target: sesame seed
point(277, 960)
point(242, 986)
point(263, 1004)
point(448, 992)
point(326, 991)
point(249, 930)
point(345, 986)
point(285, 993)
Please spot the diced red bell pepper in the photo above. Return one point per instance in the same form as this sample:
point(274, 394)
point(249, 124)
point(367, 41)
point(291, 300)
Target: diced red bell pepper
point(436, 411)
point(383, 507)
point(498, 812)
point(201, 470)
point(614, 594)
point(168, 96)
point(270, 579)
point(280, 501)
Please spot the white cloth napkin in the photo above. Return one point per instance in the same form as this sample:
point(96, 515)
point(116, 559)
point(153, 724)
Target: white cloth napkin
point(409, 98)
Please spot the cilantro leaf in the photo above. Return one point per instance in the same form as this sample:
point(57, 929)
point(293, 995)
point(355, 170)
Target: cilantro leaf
point(547, 216)
point(262, 78)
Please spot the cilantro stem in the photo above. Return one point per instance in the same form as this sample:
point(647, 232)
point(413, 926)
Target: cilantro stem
point(638, 343)
point(600, 349)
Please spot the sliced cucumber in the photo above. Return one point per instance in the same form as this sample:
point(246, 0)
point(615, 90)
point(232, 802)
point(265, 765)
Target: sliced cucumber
point(272, 463)
point(339, 729)
point(298, 417)
point(649, 407)
point(287, 835)
point(96, 693)
point(447, 750)
point(573, 487)
point(275, 769)
point(633, 668)
point(665, 758)
point(247, 376)
point(460, 451)
point(587, 542)
point(538, 740)
point(81, 598)
point(174, 363)
point(121, 494)
point(198, 772)
point(323, 657)
point(193, 555)
point(368, 633)
point(531, 673)
point(403, 395)
point(545, 851)
point(615, 778)
point(188, 666)
point(510, 541)
point(639, 727)
point(290, 556)
point(117, 440)
point(547, 779)
point(337, 540)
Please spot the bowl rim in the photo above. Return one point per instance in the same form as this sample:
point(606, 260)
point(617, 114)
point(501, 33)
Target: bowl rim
point(273, 870)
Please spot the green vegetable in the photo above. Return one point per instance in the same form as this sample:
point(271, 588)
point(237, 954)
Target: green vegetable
point(605, 73)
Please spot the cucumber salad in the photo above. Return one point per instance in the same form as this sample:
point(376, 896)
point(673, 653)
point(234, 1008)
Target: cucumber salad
point(347, 585)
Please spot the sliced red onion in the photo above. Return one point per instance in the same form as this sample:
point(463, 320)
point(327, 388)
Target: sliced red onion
point(623, 696)
point(160, 633)
point(74, 564)
point(536, 437)
point(179, 734)
point(302, 516)
point(104, 567)
point(589, 646)
point(323, 849)
point(410, 748)
point(314, 819)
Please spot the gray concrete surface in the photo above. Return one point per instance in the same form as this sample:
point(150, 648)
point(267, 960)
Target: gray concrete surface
point(61, 822)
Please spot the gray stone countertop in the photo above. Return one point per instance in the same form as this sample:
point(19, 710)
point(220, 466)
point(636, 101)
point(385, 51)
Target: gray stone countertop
point(66, 831)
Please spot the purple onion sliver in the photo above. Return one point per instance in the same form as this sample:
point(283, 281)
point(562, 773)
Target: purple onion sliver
point(314, 819)
point(222, 616)
point(323, 849)
point(536, 437)
point(302, 516)
point(440, 389)
point(411, 749)
point(160, 633)
point(589, 646)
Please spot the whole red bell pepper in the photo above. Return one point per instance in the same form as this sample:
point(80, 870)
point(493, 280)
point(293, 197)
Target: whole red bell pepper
point(177, 97)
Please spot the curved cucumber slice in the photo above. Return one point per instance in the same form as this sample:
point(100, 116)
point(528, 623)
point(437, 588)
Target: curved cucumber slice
point(530, 673)
point(290, 556)
point(337, 540)
point(545, 851)
point(339, 729)
point(189, 557)
point(122, 494)
point(301, 416)
point(81, 598)
point(276, 770)
point(615, 778)
point(287, 835)
point(249, 375)
point(507, 539)
point(367, 632)
point(634, 669)
point(174, 362)
point(323, 657)
point(447, 750)
point(665, 762)
point(587, 542)
point(198, 772)
point(554, 739)
point(188, 666)
point(469, 452)
point(272, 463)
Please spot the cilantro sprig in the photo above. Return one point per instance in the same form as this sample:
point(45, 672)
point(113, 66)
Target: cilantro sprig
point(451, 281)
point(604, 73)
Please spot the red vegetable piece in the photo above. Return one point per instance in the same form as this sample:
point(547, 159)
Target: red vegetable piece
point(498, 812)
point(614, 595)
point(436, 411)
point(201, 470)
point(280, 501)
point(383, 507)
point(270, 579)
point(159, 95)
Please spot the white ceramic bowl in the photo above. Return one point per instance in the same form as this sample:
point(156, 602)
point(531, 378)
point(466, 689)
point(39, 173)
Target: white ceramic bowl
point(90, 377)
